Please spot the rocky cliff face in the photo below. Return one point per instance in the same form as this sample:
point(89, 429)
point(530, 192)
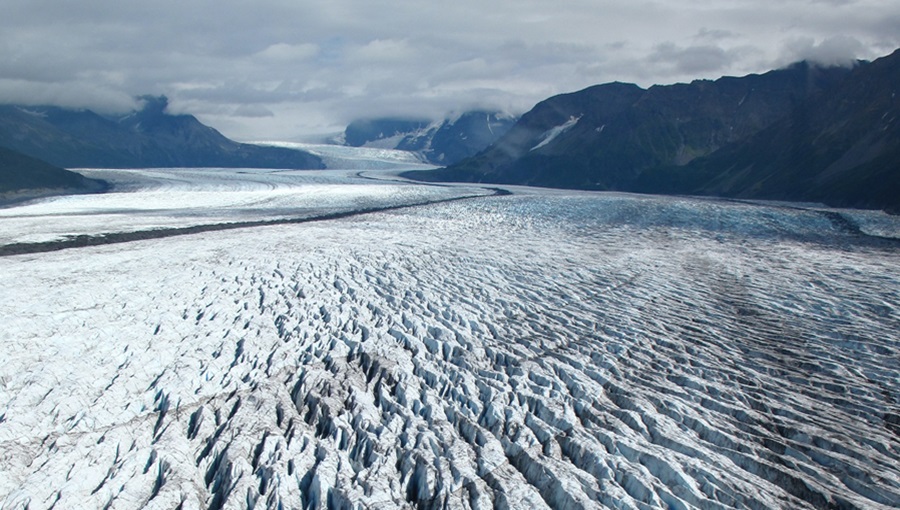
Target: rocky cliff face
point(146, 138)
point(800, 133)
point(606, 136)
point(840, 147)
point(441, 143)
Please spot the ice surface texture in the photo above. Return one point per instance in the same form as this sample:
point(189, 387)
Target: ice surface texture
point(528, 351)
point(164, 198)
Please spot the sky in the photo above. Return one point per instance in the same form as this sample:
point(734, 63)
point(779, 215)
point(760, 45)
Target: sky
point(289, 69)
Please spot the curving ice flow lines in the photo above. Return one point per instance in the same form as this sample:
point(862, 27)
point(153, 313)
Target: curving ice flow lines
point(81, 241)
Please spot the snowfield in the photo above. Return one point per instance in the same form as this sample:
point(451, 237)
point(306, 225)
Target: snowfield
point(539, 349)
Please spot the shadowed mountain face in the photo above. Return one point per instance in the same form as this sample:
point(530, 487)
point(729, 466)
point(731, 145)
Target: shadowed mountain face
point(797, 133)
point(22, 176)
point(841, 147)
point(146, 138)
point(440, 143)
point(18, 172)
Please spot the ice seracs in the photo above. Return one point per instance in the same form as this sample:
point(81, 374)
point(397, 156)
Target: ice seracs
point(537, 350)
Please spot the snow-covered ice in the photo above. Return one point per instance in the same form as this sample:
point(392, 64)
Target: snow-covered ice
point(164, 198)
point(541, 349)
point(338, 156)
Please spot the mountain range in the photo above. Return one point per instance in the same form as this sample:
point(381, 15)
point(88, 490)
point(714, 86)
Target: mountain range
point(441, 143)
point(799, 133)
point(149, 137)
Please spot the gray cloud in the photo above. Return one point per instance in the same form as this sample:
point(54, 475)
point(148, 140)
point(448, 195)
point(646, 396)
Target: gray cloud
point(691, 59)
point(713, 35)
point(833, 51)
point(253, 110)
point(279, 68)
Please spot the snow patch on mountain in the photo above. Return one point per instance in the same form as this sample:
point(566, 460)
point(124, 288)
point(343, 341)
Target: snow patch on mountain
point(551, 134)
point(441, 142)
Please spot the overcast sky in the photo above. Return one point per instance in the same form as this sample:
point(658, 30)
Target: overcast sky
point(281, 69)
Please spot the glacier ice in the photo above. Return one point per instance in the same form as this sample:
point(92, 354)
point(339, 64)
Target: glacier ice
point(542, 349)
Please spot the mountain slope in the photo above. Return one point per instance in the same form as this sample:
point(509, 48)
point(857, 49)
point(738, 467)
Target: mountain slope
point(841, 147)
point(441, 143)
point(800, 133)
point(22, 176)
point(146, 138)
point(605, 136)
point(386, 132)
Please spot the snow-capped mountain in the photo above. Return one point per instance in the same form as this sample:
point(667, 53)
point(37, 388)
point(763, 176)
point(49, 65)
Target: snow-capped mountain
point(441, 143)
point(209, 339)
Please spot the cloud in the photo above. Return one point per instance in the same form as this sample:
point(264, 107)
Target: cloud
point(833, 51)
point(253, 110)
point(76, 95)
point(713, 34)
point(277, 69)
point(691, 59)
point(383, 50)
point(284, 52)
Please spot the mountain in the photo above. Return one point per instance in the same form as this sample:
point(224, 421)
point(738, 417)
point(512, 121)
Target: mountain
point(24, 177)
point(605, 136)
point(384, 132)
point(146, 138)
point(441, 143)
point(841, 147)
point(799, 133)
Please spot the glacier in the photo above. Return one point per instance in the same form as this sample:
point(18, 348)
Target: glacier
point(444, 347)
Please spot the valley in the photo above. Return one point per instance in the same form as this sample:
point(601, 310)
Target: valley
point(447, 347)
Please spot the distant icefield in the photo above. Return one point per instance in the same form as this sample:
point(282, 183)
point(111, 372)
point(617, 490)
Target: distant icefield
point(543, 349)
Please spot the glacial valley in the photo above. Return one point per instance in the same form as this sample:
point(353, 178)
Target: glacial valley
point(443, 346)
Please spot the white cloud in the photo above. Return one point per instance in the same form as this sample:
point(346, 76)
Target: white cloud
point(283, 52)
point(76, 95)
point(834, 51)
point(383, 50)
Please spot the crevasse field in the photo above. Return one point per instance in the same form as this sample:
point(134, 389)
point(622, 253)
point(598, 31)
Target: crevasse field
point(446, 347)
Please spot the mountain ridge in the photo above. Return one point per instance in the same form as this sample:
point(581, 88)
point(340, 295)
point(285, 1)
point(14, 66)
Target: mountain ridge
point(674, 138)
point(149, 137)
point(23, 177)
point(841, 147)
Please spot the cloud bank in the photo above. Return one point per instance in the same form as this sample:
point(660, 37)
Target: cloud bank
point(275, 69)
